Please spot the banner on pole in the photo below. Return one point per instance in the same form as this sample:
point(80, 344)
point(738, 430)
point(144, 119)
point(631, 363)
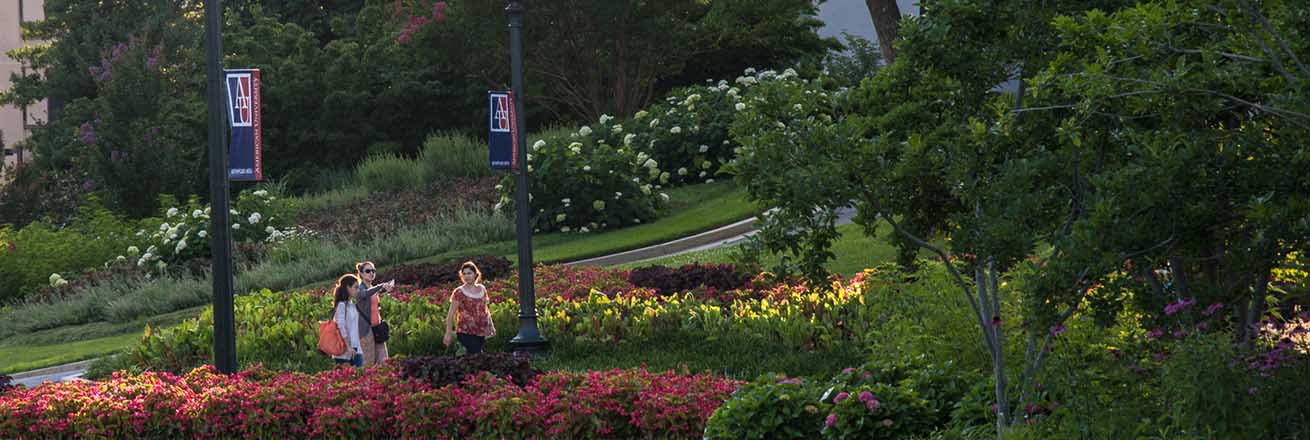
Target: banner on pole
point(243, 114)
point(502, 133)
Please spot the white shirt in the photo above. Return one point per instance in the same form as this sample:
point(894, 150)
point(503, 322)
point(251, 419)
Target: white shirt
point(347, 318)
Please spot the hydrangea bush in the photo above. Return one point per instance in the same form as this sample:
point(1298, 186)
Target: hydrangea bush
point(583, 184)
point(181, 232)
point(612, 173)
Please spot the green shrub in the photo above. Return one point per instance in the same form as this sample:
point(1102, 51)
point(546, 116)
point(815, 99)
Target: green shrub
point(30, 256)
point(387, 172)
point(447, 156)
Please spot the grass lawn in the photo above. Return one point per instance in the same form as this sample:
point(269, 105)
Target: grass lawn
point(854, 250)
point(16, 358)
point(692, 209)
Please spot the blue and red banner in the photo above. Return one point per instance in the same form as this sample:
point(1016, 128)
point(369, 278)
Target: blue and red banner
point(243, 115)
point(503, 132)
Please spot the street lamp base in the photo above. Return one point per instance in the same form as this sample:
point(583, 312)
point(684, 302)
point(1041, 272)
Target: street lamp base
point(534, 345)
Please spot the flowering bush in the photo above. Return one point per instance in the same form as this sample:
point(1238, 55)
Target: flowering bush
point(445, 274)
point(181, 232)
point(858, 404)
point(580, 184)
point(685, 139)
point(373, 403)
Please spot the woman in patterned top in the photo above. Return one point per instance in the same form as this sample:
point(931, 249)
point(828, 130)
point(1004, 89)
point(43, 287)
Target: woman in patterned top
point(469, 303)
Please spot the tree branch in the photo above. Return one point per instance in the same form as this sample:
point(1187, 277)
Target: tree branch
point(1259, 18)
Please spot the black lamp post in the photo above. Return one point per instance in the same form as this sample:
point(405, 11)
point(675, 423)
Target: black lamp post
point(529, 338)
point(220, 232)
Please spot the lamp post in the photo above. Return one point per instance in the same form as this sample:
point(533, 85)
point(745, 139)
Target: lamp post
point(529, 338)
point(220, 232)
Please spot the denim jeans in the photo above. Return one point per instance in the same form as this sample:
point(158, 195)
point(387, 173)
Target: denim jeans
point(472, 343)
point(357, 361)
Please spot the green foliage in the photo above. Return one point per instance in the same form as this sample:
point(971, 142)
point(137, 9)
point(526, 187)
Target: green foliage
point(385, 173)
point(449, 156)
point(868, 403)
point(29, 256)
point(792, 133)
point(859, 60)
point(646, 48)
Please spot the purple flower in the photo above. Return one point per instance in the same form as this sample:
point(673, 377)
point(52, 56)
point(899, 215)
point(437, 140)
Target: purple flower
point(848, 370)
point(1212, 309)
point(791, 381)
point(842, 396)
point(88, 185)
point(439, 11)
point(86, 133)
point(1174, 308)
point(866, 396)
point(1202, 326)
point(867, 375)
point(1155, 334)
point(118, 51)
point(1058, 330)
point(1180, 333)
point(151, 62)
point(873, 405)
point(831, 421)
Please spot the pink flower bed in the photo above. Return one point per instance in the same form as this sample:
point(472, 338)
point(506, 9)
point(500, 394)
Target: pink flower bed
point(374, 403)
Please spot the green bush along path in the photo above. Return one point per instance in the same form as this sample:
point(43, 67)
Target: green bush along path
point(693, 209)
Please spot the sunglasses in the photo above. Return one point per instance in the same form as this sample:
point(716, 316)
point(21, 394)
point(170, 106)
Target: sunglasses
point(369, 271)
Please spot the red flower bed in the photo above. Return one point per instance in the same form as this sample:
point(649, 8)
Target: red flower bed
point(373, 403)
point(445, 273)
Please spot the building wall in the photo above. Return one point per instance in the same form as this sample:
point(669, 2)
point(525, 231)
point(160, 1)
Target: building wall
point(13, 127)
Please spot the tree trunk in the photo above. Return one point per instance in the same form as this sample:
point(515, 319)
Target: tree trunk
point(886, 18)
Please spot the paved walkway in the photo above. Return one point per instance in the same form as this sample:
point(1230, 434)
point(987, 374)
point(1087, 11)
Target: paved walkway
point(61, 373)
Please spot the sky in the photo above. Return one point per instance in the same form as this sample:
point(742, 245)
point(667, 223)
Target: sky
point(852, 17)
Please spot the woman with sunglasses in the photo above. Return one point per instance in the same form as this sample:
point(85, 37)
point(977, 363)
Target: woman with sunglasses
point(372, 330)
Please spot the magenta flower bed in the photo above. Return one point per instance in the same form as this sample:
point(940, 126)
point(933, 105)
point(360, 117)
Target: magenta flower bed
point(374, 403)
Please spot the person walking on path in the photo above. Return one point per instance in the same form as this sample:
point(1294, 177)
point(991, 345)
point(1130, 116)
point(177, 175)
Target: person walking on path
point(469, 305)
point(347, 318)
point(370, 323)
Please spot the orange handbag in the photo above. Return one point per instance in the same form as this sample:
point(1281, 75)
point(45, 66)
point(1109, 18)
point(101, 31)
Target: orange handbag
point(330, 341)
